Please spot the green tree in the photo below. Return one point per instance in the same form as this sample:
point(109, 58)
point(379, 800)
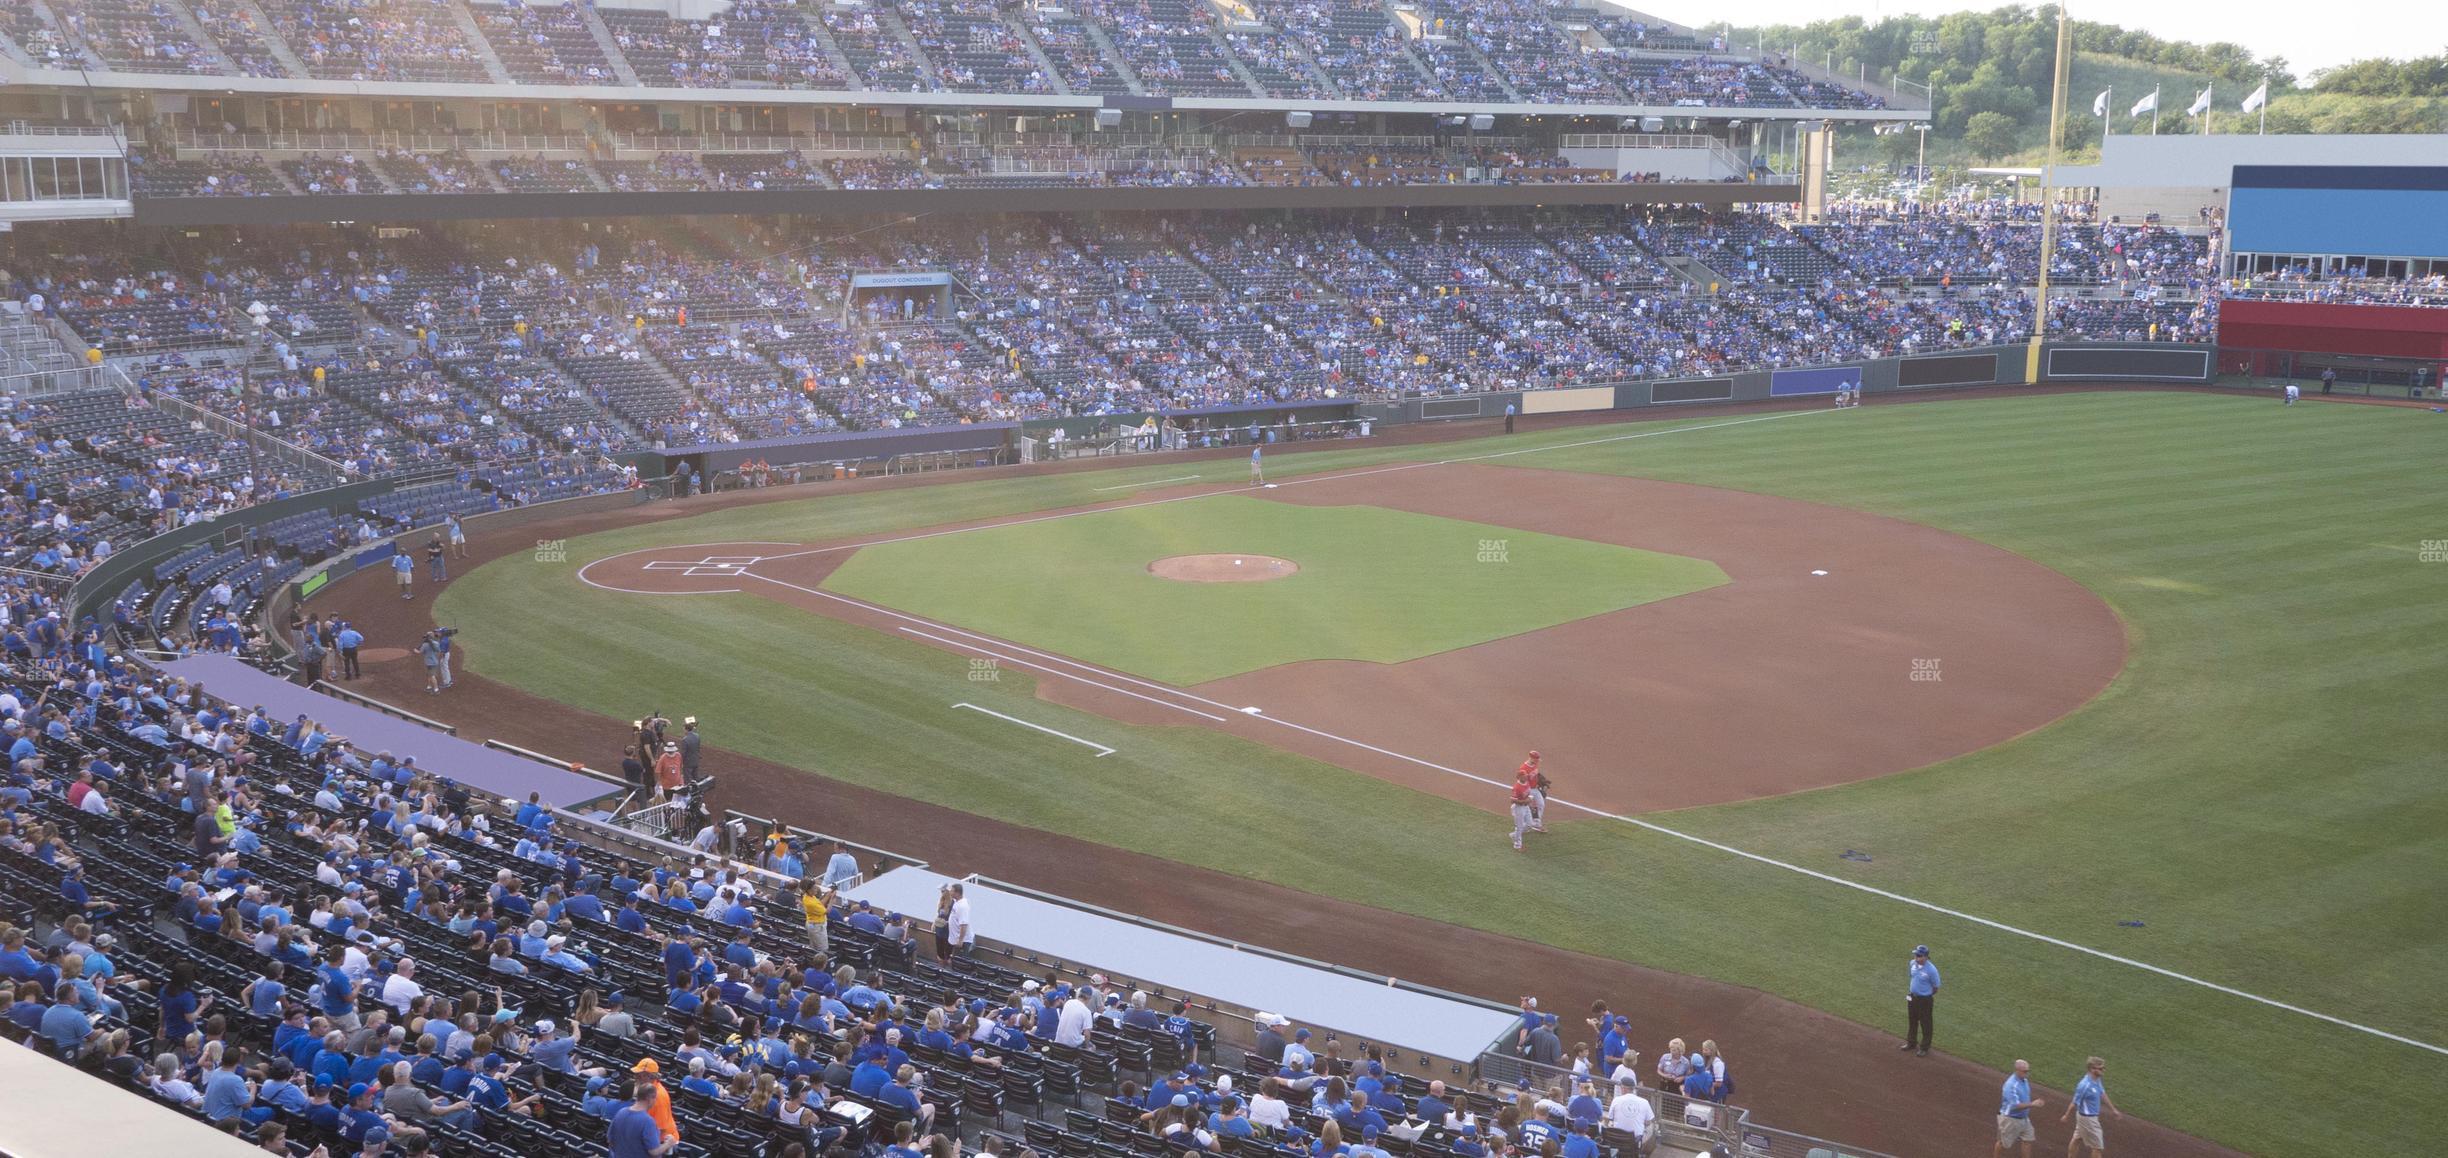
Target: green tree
point(1990, 135)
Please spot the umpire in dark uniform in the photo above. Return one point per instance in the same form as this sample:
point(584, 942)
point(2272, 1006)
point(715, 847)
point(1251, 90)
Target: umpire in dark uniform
point(1920, 1001)
point(688, 747)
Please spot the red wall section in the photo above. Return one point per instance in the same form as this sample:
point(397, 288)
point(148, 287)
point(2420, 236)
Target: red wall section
point(2327, 327)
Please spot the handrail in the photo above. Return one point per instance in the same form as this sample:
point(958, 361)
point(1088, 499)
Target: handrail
point(564, 765)
point(280, 448)
point(337, 692)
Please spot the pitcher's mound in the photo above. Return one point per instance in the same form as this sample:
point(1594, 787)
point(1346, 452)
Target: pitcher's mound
point(1222, 568)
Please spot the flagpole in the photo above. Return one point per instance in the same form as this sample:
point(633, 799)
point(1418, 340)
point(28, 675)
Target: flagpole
point(2155, 109)
point(2107, 119)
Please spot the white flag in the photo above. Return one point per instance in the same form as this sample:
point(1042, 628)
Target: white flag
point(2148, 104)
point(2259, 97)
point(2200, 105)
point(2099, 104)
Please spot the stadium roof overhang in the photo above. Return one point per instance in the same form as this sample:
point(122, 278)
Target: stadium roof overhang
point(210, 86)
point(414, 207)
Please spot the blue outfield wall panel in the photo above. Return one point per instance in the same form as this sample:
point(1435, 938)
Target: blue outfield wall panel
point(1823, 380)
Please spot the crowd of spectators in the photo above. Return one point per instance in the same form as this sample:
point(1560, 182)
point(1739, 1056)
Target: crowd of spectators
point(410, 40)
point(482, 347)
point(306, 942)
point(2353, 284)
point(1485, 50)
point(1054, 161)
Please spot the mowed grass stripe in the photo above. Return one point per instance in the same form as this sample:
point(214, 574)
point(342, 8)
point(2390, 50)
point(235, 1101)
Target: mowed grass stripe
point(2167, 800)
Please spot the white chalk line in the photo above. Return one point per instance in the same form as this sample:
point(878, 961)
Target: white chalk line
point(1745, 854)
point(1157, 482)
point(1636, 822)
point(582, 571)
point(1102, 750)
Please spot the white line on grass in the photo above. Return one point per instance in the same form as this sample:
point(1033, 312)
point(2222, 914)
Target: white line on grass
point(582, 571)
point(1636, 822)
point(1102, 750)
point(1662, 830)
point(1149, 483)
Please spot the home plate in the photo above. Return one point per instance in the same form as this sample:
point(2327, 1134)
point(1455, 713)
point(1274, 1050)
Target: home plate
point(1818, 572)
point(1253, 711)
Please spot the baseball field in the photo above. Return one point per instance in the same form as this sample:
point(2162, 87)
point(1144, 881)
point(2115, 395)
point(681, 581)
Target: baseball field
point(2120, 701)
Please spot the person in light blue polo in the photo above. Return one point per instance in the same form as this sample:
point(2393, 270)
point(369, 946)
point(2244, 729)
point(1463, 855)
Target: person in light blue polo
point(2090, 1094)
point(403, 565)
point(1920, 1001)
point(2015, 1104)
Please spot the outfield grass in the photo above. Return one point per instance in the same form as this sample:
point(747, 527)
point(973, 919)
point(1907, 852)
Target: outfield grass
point(2259, 788)
point(1374, 584)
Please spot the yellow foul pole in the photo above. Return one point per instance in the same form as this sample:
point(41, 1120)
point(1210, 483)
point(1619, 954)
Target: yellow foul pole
point(2048, 193)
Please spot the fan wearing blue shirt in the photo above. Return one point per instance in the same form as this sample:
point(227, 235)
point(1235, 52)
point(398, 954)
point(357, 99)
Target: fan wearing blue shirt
point(2090, 1095)
point(633, 1132)
point(2015, 1104)
point(869, 1078)
point(64, 1024)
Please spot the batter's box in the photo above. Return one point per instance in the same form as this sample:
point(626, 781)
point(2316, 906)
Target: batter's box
point(718, 566)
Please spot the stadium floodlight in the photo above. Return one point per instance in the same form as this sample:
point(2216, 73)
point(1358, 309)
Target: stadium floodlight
point(1482, 122)
point(1297, 120)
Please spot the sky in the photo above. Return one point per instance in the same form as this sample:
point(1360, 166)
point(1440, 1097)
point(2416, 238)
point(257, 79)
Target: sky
point(2332, 34)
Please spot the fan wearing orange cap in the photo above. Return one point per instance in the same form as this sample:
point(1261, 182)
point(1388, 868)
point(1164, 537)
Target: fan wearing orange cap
point(648, 1072)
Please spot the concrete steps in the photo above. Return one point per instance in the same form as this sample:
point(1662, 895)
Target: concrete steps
point(287, 56)
point(622, 70)
point(470, 31)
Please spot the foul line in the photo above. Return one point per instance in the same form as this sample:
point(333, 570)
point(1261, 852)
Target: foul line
point(1149, 483)
point(1636, 822)
point(1102, 750)
point(1703, 842)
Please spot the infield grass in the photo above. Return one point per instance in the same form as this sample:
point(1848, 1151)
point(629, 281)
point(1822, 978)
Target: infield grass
point(2260, 788)
point(1374, 584)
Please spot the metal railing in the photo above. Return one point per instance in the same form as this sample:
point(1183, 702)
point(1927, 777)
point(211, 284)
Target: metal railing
point(760, 143)
point(274, 448)
point(1311, 141)
point(1637, 141)
point(337, 692)
point(1726, 1125)
point(64, 380)
point(295, 141)
point(37, 129)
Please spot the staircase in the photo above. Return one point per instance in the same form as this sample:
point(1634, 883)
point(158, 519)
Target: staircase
point(1232, 60)
point(212, 48)
point(622, 70)
point(928, 67)
point(287, 56)
point(73, 44)
point(832, 49)
point(475, 37)
point(1113, 56)
point(1700, 276)
point(1036, 53)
